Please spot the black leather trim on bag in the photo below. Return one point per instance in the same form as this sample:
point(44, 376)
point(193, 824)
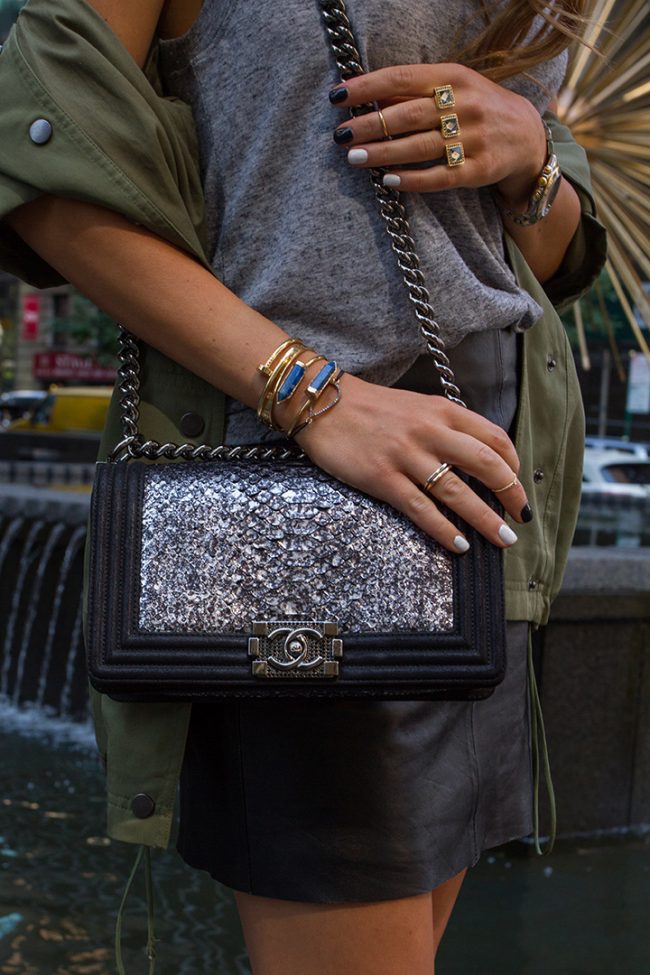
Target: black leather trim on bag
point(130, 664)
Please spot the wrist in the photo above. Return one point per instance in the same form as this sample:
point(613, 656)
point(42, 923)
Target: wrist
point(515, 190)
point(543, 194)
point(327, 425)
point(284, 413)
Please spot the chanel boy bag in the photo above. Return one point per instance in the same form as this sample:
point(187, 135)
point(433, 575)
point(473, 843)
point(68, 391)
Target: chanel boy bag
point(249, 572)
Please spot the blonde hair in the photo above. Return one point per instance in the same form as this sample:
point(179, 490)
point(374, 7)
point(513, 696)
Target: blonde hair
point(501, 49)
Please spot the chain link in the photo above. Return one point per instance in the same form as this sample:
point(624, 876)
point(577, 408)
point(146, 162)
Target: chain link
point(132, 444)
point(397, 226)
point(348, 61)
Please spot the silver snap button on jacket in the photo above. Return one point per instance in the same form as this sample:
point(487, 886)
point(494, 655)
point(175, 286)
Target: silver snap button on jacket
point(40, 131)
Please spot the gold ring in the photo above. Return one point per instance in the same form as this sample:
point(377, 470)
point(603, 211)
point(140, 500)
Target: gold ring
point(449, 126)
point(506, 486)
point(455, 154)
point(444, 96)
point(434, 477)
point(383, 124)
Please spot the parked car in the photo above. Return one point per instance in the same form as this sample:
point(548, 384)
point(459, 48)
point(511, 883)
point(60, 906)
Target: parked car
point(619, 444)
point(19, 403)
point(615, 474)
point(65, 426)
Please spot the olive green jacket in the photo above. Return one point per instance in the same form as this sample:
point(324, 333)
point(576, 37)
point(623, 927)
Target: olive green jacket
point(117, 140)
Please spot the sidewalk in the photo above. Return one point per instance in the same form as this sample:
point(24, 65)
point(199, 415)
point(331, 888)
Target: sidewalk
point(583, 911)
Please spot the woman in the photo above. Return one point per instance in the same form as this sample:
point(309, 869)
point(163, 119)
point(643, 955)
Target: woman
point(351, 863)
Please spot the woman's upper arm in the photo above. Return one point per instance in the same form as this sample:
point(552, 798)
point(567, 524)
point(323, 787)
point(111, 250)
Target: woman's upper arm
point(111, 137)
point(134, 23)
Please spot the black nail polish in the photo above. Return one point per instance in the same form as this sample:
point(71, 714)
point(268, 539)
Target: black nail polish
point(338, 95)
point(526, 513)
point(343, 135)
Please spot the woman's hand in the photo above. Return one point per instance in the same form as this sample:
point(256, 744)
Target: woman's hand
point(387, 441)
point(502, 132)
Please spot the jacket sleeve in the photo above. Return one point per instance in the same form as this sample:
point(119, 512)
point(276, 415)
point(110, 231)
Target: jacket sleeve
point(109, 136)
point(587, 251)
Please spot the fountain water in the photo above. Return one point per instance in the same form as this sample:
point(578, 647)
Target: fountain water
point(56, 531)
point(41, 564)
point(25, 561)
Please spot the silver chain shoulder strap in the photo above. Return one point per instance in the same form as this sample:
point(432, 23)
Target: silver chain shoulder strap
point(393, 213)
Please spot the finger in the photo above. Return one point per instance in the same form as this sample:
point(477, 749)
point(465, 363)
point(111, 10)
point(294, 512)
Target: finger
point(434, 179)
point(451, 491)
point(400, 80)
point(466, 421)
point(413, 115)
point(481, 461)
point(422, 511)
point(419, 147)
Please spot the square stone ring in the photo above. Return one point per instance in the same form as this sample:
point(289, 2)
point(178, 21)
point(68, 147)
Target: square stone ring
point(449, 124)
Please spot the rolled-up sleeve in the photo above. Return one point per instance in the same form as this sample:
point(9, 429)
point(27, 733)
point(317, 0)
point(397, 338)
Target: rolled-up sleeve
point(587, 250)
point(19, 163)
point(80, 119)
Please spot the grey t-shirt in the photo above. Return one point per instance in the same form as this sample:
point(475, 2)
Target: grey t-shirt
point(294, 230)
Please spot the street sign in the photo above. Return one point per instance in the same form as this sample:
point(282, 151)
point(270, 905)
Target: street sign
point(31, 317)
point(53, 366)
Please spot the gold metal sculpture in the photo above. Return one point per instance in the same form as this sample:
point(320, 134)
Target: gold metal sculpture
point(606, 104)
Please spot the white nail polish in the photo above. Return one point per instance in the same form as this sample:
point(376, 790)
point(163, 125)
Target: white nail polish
point(507, 535)
point(356, 156)
point(392, 180)
point(461, 544)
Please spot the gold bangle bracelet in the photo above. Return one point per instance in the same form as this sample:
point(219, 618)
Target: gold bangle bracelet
point(296, 348)
point(266, 368)
point(265, 405)
point(273, 401)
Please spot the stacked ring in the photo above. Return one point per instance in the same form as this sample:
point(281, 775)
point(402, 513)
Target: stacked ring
point(435, 476)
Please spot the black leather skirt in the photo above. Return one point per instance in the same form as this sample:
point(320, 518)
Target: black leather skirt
point(355, 801)
point(331, 802)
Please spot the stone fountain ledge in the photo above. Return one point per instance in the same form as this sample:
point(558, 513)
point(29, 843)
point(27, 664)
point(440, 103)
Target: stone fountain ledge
point(70, 507)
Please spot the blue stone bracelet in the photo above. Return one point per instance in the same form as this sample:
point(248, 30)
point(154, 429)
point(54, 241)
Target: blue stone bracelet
point(290, 384)
point(321, 379)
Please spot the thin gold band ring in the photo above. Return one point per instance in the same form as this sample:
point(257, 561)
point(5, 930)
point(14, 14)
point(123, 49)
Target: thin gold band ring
point(506, 486)
point(383, 124)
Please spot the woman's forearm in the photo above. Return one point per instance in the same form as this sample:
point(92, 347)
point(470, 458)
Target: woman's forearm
point(154, 289)
point(544, 244)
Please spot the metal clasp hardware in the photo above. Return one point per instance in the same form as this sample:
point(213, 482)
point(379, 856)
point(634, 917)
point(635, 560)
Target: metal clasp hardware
point(295, 648)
